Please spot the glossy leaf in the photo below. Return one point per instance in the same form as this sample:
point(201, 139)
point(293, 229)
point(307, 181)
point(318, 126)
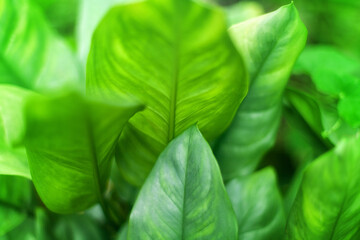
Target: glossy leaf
point(271, 44)
point(13, 160)
point(15, 195)
point(184, 196)
point(177, 58)
point(327, 205)
point(31, 54)
point(258, 205)
point(70, 170)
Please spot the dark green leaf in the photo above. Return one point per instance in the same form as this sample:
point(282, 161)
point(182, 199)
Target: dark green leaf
point(184, 196)
point(271, 44)
point(258, 205)
point(70, 143)
point(177, 58)
point(15, 196)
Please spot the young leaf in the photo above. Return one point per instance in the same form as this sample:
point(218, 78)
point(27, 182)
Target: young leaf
point(177, 58)
point(258, 205)
point(327, 205)
point(15, 194)
point(70, 170)
point(13, 161)
point(184, 196)
point(271, 43)
point(31, 54)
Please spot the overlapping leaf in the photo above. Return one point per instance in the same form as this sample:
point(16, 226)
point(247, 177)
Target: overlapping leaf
point(69, 143)
point(31, 54)
point(327, 205)
point(15, 196)
point(13, 160)
point(271, 44)
point(184, 196)
point(258, 206)
point(177, 58)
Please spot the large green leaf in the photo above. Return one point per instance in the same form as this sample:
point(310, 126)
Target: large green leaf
point(70, 170)
point(258, 205)
point(13, 160)
point(327, 205)
point(31, 54)
point(184, 196)
point(271, 44)
point(15, 196)
point(177, 58)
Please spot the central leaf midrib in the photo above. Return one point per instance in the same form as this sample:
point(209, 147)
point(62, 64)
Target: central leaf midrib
point(175, 79)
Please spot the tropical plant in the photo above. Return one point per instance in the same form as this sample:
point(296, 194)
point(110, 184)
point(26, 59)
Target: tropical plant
point(169, 119)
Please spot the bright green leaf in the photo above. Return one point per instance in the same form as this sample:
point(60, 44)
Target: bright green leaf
point(184, 196)
point(327, 205)
point(177, 58)
point(15, 196)
point(13, 160)
point(271, 44)
point(258, 205)
point(70, 170)
point(31, 54)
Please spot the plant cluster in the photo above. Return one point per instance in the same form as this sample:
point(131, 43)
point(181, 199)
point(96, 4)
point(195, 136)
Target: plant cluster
point(174, 119)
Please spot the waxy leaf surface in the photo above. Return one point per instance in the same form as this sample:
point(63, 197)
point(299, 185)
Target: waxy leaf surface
point(184, 196)
point(327, 205)
point(177, 58)
point(70, 170)
point(270, 44)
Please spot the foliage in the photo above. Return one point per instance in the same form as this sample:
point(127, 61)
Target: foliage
point(167, 119)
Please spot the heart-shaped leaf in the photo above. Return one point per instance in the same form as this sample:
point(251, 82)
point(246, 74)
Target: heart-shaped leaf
point(184, 196)
point(177, 58)
point(271, 44)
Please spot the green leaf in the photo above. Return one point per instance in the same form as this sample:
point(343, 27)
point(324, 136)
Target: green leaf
point(177, 58)
point(70, 170)
point(25, 231)
point(327, 205)
point(13, 161)
point(31, 54)
point(271, 44)
point(258, 205)
point(58, 227)
point(184, 196)
point(15, 196)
